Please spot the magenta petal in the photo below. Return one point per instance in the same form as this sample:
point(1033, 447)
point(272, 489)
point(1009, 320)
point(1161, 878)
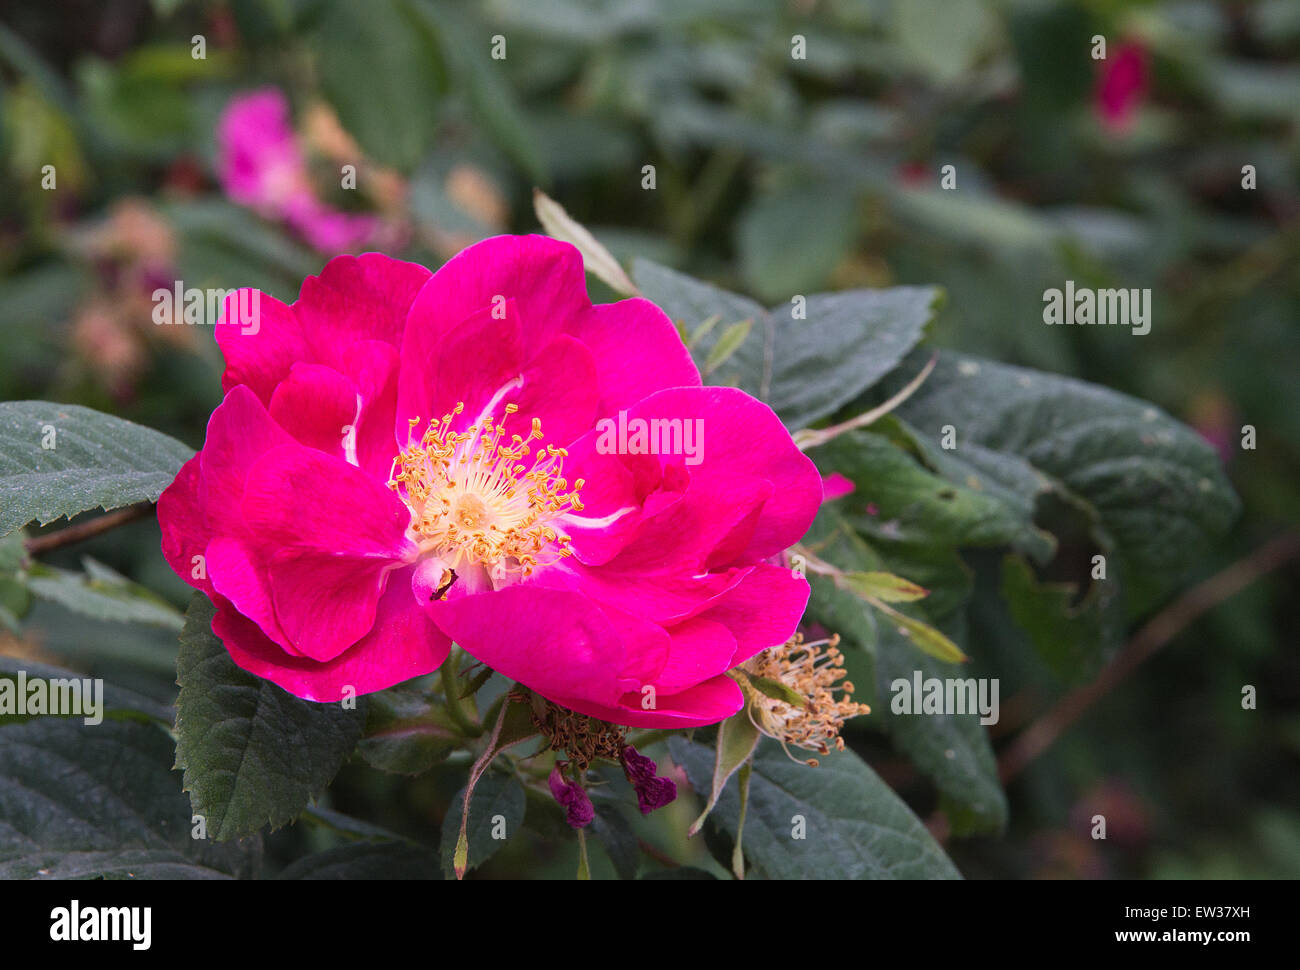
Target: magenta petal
point(836, 486)
point(326, 603)
point(373, 365)
point(637, 350)
point(477, 363)
point(544, 276)
point(716, 699)
point(762, 610)
point(358, 298)
point(240, 432)
point(319, 407)
point(699, 649)
point(661, 598)
point(259, 357)
point(298, 497)
point(238, 573)
point(403, 644)
point(184, 534)
point(559, 389)
point(743, 440)
point(558, 643)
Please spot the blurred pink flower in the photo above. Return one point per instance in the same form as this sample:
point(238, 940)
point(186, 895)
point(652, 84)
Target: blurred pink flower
point(1121, 86)
point(261, 166)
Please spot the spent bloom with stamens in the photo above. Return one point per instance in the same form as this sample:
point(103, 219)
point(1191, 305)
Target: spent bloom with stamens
point(815, 671)
point(404, 459)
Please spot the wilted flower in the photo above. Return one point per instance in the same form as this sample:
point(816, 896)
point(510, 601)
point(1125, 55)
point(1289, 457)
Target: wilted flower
point(404, 459)
point(642, 774)
point(573, 798)
point(815, 672)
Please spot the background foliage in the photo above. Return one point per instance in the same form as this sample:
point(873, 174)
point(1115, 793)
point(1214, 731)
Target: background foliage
point(775, 176)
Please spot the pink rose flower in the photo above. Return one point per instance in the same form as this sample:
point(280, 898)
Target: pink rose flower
point(261, 166)
point(405, 459)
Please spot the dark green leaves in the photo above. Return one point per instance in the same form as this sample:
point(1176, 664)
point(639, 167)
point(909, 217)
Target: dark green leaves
point(1153, 488)
point(252, 753)
point(96, 802)
point(804, 358)
point(836, 821)
point(61, 459)
point(496, 812)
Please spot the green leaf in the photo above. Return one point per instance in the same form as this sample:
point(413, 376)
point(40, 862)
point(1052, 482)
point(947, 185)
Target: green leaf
point(252, 753)
point(497, 805)
point(853, 825)
point(60, 459)
point(1073, 638)
point(351, 42)
point(897, 499)
point(612, 829)
point(804, 368)
point(102, 594)
point(406, 733)
point(737, 739)
point(81, 802)
point(728, 343)
point(925, 637)
point(1154, 489)
point(885, 586)
point(367, 860)
point(952, 749)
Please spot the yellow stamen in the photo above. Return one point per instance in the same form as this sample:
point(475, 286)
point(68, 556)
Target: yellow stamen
point(475, 497)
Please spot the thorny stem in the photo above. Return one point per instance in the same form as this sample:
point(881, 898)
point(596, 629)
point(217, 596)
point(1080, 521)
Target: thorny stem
point(87, 530)
point(1162, 628)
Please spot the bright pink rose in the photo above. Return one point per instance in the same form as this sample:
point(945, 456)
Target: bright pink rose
point(260, 166)
point(406, 459)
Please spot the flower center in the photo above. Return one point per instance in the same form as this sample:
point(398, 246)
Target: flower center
point(476, 498)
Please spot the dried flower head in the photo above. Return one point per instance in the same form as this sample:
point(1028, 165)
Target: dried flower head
point(815, 671)
point(585, 739)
